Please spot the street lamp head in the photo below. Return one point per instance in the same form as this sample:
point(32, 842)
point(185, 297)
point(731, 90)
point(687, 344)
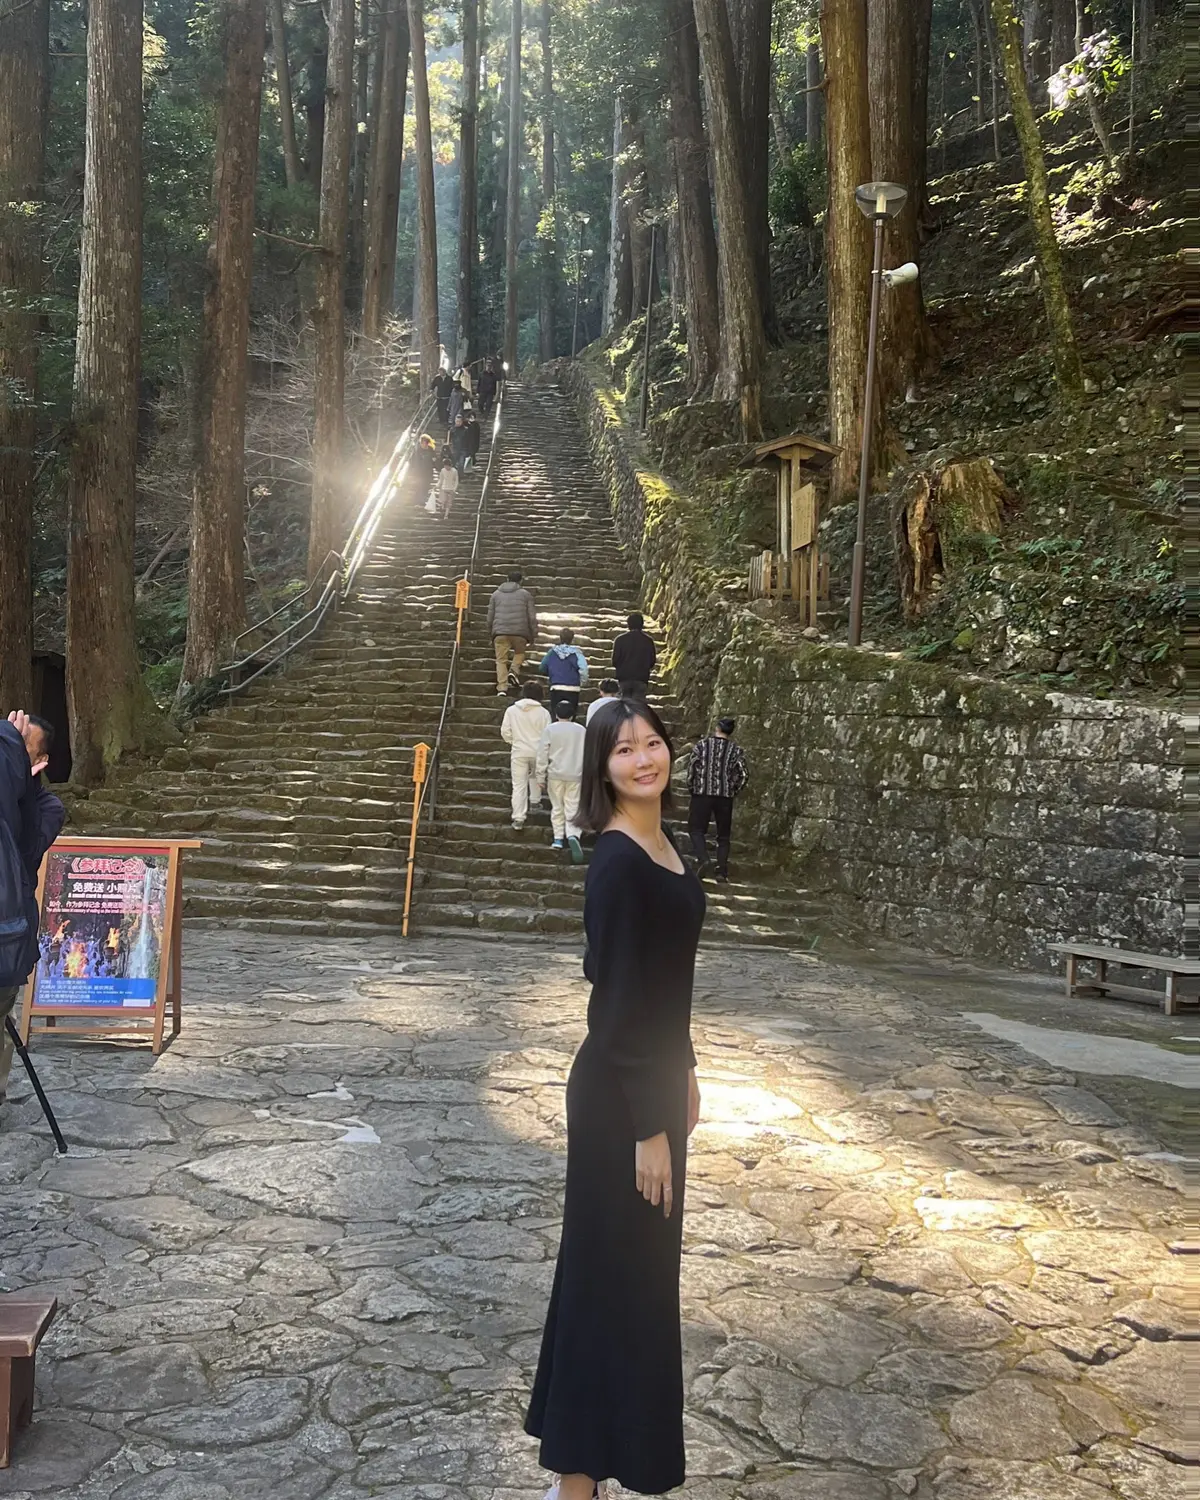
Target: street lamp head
point(902, 275)
point(881, 200)
point(585, 219)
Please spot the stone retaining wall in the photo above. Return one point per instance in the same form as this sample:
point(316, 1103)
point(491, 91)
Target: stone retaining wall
point(949, 812)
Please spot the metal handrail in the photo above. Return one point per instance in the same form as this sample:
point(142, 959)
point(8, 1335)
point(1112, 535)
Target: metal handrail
point(427, 801)
point(340, 583)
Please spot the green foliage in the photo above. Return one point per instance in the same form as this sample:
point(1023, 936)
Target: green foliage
point(798, 189)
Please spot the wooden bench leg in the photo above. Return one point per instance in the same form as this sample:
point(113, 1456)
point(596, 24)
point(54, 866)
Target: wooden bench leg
point(7, 1413)
point(1101, 974)
point(1072, 964)
point(1170, 998)
point(21, 1399)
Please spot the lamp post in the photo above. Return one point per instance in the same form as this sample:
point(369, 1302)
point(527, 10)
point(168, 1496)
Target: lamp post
point(583, 220)
point(879, 201)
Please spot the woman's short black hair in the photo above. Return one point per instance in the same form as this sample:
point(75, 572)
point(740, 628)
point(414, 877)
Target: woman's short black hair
point(597, 801)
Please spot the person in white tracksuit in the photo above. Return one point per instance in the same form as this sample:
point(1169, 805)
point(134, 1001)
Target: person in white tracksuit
point(522, 727)
point(560, 769)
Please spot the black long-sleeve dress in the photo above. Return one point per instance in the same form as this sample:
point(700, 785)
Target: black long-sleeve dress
point(608, 1397)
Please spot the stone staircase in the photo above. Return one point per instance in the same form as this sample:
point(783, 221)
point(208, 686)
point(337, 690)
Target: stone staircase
point(301, 788)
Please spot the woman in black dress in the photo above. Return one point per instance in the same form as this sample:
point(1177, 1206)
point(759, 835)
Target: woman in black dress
point(608, 1397)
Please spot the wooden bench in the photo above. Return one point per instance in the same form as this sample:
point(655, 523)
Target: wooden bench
point(23, 1322)
point(1104, 957)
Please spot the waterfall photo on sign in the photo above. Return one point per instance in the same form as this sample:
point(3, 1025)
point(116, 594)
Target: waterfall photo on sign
point(100, 939)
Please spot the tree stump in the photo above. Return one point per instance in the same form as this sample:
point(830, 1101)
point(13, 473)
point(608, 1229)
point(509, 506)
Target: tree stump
point(937, 516)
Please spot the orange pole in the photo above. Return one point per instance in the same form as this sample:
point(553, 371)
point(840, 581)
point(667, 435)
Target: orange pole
point(420, 763)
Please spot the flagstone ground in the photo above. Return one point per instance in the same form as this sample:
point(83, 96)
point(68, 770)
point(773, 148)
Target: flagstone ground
point(305, 1254)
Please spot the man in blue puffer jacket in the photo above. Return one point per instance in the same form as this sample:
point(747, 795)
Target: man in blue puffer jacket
point(566, 667)
point(32, 817)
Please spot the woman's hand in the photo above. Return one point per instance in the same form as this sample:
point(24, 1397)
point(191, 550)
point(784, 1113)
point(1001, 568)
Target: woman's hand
point(693, 1101)
point(652, 1165)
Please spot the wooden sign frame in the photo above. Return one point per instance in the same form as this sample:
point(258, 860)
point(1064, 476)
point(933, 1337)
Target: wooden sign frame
point(170, 968)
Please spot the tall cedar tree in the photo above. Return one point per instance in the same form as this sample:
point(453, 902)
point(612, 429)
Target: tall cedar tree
point(384, 169)
point(750, 28)
point(548, 228)
point(697, 236)
point(24, 96)
point(292, 169)
point(468, 198)
point(743, 344)
point(360, 145)
point(512, 216)
point(618, 294)
point(1068, 369)
point(329, 315)
point(848, 251)
point(906, 341)
point(106, 696)
point(814, 112)
point(216, 591)
point(427, 277)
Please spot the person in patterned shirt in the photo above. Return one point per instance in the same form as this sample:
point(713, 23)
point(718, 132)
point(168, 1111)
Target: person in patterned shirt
point(718, 772)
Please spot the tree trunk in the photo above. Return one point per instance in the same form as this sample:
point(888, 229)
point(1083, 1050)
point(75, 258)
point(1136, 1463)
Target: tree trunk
point(360, 142)
point(994, 69)
point(637, 205)
point(383, 177)
point(676, 274)
point(750, 30)
point(847, 232)
point(783, 146)
point(979, 27)
point(548, 228)
point(743, 343)
point(512, 216)
point(618, 295)
point(814, 98)
point(329, 319)
point(1038, 23)
point(1093, 106)
point(216, 583)
point(500, 154)
point(314, 113)
point(937, 524)
point(292, 169)
point(1145, 30)
point(468, 192)
point(105, 692)
point(427, 265)
point(892, 51)
point(697, 236)
point(1062, 33)
point(1067, 367)
point(24, 100)
point(922, 41)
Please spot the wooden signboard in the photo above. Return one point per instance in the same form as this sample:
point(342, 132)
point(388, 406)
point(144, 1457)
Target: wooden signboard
point(110, 935)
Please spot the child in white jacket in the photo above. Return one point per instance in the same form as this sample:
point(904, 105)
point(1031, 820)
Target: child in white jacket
point(560, 767)
point(522, 728)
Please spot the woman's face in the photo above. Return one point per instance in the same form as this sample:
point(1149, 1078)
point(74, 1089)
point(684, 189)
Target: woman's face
point(640, 764)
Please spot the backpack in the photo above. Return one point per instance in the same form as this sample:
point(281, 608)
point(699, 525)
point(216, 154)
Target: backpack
point(14, 914)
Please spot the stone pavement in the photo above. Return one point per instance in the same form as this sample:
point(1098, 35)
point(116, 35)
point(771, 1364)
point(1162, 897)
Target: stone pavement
point(306, 1252)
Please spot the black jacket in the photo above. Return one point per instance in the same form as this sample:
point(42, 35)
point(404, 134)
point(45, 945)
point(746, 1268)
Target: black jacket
point(33, 815)
point(634, 655)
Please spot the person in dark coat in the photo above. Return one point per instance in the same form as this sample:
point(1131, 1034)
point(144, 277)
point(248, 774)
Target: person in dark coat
point(607, 1400)
point(634, 658)
point(443, 385)
point(424, 466)
point(485, 388)
point(459, 443)
point(457, 403)
point(31, 816)
point(473, 437)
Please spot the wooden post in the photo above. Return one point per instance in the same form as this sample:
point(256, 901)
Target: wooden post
point(462, 602)
point(420, 769)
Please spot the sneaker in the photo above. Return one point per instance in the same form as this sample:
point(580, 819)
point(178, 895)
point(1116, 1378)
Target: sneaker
point(558, 844)
point(501, 692)
point(722, 878)
point(518, 827)
point(514, 682)
point(576, 851)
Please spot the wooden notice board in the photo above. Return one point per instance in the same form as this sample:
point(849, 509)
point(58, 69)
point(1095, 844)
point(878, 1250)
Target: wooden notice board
point(110, 939)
